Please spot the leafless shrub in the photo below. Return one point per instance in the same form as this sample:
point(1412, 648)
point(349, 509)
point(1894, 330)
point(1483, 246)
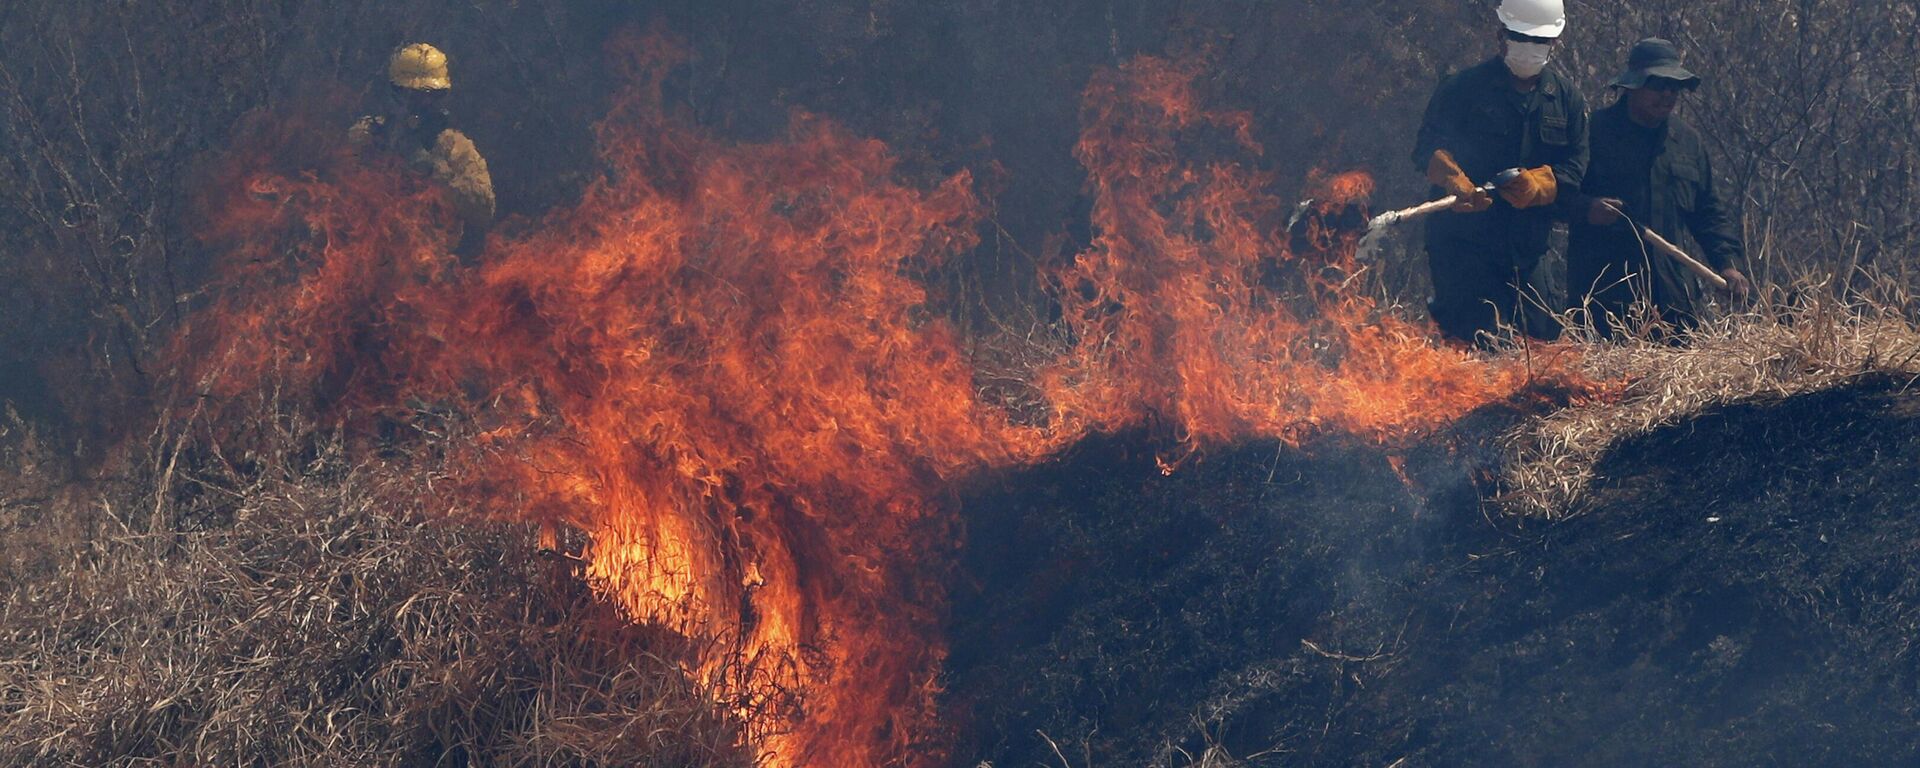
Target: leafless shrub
point(1810, 107)
point(108, 111)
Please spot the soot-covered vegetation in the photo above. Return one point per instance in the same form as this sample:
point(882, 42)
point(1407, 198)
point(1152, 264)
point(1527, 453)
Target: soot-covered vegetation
point(1739, 590)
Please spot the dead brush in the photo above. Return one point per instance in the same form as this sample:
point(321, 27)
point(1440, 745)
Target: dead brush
point(1802, 340)
point(301, 617)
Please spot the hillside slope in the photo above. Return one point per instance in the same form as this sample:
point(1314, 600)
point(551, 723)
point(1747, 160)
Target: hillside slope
point(1737, 589)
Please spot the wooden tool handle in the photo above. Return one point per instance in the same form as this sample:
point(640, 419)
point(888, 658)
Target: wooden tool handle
point(1423, 209)
point(1705, 272)
point(1673, 251)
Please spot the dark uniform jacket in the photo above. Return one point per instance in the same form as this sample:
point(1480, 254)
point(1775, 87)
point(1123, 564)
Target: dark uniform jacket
point(1666, 180)
point(1489, 127)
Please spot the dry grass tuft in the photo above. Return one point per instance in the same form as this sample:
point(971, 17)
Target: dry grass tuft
point(296, 618)
point(1806, 343)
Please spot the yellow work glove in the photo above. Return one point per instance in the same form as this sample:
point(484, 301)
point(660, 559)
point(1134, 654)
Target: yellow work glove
point(1444, 173)
point(1534, 188)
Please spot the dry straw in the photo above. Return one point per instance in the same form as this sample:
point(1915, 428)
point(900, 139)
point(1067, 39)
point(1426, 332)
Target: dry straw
point(302, 618)
point(1803, 341)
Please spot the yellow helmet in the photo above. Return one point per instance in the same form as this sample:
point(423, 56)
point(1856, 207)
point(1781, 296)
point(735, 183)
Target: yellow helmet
point(419, 66)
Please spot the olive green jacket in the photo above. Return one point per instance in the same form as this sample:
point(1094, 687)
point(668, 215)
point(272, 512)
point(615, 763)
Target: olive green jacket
point(1665, 177)
point(1489, 127)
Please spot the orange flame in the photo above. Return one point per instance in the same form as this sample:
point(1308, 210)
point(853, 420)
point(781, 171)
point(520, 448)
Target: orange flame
point(1174, 305)
point(716, 365)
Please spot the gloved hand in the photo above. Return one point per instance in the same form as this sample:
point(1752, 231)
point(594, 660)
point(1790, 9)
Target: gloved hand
point(1444, 173)
point(1534, 187)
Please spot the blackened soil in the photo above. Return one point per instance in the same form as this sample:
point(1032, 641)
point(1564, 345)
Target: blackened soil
point(1742, 589)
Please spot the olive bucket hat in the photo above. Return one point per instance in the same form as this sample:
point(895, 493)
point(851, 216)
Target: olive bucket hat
point(1654, 58)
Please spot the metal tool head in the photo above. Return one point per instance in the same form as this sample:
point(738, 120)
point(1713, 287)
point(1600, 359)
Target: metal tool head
point(1299, 212)
point(1505, 177)
point(1316, 225)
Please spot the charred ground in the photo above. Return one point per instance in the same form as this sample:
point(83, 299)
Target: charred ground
point(1738, 590)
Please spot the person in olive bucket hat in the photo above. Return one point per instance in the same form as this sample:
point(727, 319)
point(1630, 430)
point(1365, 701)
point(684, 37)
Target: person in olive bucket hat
point(1648, 168)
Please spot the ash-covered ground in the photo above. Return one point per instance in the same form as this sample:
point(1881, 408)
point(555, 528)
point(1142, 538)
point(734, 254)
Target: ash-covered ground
point(1739, 589)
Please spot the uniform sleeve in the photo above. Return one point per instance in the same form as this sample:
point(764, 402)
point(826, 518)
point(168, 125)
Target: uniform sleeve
point(1712, 225)
point(1571, 171)
point(458, 164)
point(1440, 126)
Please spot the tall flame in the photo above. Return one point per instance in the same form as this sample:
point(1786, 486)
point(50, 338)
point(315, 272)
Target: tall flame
point(1193, 305)
point(717, 365)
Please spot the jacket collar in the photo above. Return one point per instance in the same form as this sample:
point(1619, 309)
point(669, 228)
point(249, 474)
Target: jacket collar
point(1617, 112)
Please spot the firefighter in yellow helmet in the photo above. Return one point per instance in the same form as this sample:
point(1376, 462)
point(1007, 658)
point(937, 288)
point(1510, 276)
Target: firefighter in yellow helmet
point(417, 127)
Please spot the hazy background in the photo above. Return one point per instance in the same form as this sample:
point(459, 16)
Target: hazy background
point(107, 110)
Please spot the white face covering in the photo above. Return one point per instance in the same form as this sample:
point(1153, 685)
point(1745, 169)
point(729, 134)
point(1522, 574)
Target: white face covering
point(1527, 59)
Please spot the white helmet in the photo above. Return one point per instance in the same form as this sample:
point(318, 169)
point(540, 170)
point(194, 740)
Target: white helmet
point(1534, 18)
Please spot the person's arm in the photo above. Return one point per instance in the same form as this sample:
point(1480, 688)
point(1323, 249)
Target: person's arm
point(1571, 171)
point(1441, 125)
point(1440, 129)
point(466, 175)
point(1714, 228)
point(457, 163)
point(1711, 224)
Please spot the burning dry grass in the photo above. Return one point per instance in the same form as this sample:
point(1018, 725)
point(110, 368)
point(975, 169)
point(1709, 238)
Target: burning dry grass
point(719, 363)
point(302, 620)
point(1812, 343)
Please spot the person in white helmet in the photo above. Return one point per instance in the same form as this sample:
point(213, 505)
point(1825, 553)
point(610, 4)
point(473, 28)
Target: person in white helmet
point(1511, 111)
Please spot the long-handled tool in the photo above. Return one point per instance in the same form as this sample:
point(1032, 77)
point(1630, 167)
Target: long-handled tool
point(1500, 179)
point(1672, 251)
point(1378, 226)
point(1425, 209)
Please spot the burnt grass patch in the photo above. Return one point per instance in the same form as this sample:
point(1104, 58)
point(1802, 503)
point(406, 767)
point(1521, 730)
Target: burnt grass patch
point(1737, 589)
